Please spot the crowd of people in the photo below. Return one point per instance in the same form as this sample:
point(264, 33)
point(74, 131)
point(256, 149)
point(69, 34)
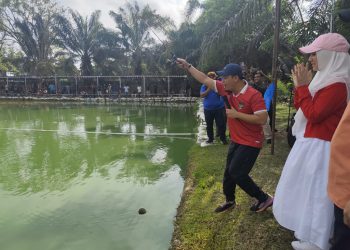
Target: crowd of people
point(111, 87)
point(312, 197)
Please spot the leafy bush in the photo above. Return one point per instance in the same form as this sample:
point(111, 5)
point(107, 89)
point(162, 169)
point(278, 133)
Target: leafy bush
point(283, 92)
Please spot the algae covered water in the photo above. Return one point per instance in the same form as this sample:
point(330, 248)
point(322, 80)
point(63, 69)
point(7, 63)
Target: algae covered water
point(74, 177)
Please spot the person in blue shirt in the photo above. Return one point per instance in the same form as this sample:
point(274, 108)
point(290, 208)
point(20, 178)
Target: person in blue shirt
point(52, 88)
point(267, 91)
point(268, 98)
point(214, 109)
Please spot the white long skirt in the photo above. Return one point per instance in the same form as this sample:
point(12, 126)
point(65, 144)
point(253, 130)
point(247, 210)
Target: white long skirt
point(301, 203)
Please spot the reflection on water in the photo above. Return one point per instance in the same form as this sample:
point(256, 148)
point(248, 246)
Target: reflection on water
point(68, 180)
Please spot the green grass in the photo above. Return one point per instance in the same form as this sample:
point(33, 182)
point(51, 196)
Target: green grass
point(198, 227)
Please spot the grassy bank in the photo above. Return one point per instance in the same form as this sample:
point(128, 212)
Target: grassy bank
point(198, 227)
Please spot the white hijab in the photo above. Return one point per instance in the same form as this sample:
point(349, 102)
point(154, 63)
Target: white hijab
point(332, 67)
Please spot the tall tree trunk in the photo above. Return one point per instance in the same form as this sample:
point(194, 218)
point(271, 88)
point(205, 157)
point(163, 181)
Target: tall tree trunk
point(86, 66)
point(137, 63)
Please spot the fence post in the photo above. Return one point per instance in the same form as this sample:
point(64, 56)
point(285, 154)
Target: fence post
point(56, 85)
point(7, 88)
point(144, 86)
point(120, 86)
point(25, 86)
point(97, 84)
point(168, 86)
point(76, 86)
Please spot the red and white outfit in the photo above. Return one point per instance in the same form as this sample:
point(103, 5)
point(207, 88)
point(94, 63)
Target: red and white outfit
point(301, 203)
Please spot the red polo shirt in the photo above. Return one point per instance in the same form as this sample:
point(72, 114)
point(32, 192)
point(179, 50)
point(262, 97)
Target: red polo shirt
point(248, 101)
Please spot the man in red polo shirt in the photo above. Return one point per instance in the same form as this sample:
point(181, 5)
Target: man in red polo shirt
point(246, 113)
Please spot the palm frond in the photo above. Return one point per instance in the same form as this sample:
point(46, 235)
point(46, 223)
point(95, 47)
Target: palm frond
point(251, 10)
point(26, 40)
point(191, 7)
point(258, 36)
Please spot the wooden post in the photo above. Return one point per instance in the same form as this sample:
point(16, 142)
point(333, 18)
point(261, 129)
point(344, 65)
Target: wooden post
point(332, 18)
point(274, 69)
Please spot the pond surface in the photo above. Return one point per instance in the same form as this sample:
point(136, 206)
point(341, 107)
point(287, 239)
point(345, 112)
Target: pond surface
point(74, 177)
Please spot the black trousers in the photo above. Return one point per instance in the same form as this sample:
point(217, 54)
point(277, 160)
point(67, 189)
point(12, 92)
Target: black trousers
point(219, 115)
point(239, 163)
point(341, 237)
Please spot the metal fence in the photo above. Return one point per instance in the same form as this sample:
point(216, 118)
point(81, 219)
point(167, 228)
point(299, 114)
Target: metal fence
point(95, 86)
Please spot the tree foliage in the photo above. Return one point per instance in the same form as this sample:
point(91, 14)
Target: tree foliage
point(31, 25)
point(109, 56)
point(136, 25)
point(242, 31)
point(340, 26)
point(53, 40)
point(80, 37)
point(8, 61)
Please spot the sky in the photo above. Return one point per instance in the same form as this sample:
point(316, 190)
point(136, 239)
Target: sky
point(174, 9)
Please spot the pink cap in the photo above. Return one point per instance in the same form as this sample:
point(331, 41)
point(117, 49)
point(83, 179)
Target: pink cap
point(329, 41)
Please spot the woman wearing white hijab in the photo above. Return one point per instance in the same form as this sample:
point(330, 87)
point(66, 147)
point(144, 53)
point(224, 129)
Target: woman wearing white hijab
point(301, 203)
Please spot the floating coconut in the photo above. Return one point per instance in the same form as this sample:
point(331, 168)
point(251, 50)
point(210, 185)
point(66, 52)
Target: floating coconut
point(142, 210)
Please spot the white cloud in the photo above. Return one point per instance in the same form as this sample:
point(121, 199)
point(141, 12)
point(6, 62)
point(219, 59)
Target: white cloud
point(172, 8)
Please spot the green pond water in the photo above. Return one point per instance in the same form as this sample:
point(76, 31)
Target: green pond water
point(75, 176)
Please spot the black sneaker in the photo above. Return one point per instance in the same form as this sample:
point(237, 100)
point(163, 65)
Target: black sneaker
point(209, 141)
point(227, 205)
point(262, 206)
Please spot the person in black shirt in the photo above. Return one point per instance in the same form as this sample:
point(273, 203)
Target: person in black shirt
point(259, 83)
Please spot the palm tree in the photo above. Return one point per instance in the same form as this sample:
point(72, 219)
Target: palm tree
point(110, 57)
point(36, 39)
point(135, 25)
point(80, 38)
point(186, 42)
point(31, 25)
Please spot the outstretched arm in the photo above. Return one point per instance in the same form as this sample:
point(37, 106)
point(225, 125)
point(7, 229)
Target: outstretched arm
point(198, 75)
